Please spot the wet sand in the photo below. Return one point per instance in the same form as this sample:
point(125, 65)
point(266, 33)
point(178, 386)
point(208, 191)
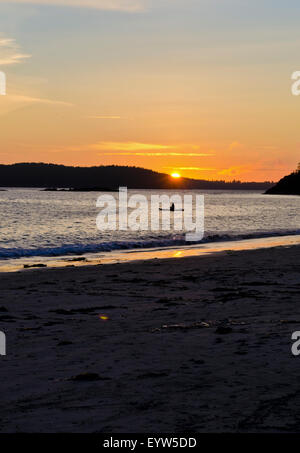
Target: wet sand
point(126, 256)
point(198, 344)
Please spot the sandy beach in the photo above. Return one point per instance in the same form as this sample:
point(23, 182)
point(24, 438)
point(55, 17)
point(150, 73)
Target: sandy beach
point(195, 344)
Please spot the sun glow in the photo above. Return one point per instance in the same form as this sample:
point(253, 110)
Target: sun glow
point(176, 175)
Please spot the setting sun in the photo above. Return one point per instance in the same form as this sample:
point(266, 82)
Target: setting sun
point(176, 175)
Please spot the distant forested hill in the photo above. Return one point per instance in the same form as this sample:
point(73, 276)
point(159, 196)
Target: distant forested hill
point(106, 177)
point(289, 185)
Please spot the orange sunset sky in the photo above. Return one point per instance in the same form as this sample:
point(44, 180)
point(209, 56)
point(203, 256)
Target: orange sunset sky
point(198, 87)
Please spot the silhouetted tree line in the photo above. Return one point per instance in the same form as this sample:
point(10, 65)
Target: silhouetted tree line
point(106, 177)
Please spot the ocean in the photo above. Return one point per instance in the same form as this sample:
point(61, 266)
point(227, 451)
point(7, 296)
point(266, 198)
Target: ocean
point(37, 223)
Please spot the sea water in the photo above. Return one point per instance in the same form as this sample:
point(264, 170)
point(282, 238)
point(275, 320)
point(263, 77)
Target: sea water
point(37, 223)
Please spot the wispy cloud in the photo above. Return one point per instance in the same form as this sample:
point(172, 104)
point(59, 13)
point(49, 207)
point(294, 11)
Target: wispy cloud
point(192, 168)
point(105, 117)
point(170, 154)
point(264, 166)
point(146, 149)
point(130, 146)
point(236, 146)
point(112, 5)
point(34, 100)
point(141, 149)
point(10, 52)
point(236, 170)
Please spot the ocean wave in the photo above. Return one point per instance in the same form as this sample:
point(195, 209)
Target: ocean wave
point(80, 249)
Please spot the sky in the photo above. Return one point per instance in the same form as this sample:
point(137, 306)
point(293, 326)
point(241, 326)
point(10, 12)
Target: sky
point(198, 87)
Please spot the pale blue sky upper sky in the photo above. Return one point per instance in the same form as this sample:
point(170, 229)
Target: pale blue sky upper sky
point(212, 74)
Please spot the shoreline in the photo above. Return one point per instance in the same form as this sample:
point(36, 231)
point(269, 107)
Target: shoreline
point(126, 256)
point(201, 344)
